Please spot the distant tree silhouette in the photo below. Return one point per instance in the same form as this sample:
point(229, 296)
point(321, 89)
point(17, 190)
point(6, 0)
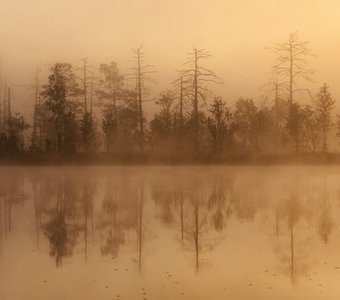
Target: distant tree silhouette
point(87, 130)
point(163, 124)
point(109, 127)
point(337, 124)
point(311, 128)
point(62, 111)
point(324, 105)
point(190, 123)
point(12, 139)
point(265, 133)
point(110, 85)
point(219, 124)
point(294, 124)
point(245, 121)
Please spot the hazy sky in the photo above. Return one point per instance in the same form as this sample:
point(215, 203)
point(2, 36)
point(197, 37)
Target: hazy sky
point(39, 32)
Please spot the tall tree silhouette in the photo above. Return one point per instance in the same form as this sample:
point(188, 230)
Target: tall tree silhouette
point(57, 94)
point(110, 85)
point(180, 92)
point(141, 75)
point(292, 64)
point(87, 126)
point(36, 133)
point(196, 76)
point(290, 68)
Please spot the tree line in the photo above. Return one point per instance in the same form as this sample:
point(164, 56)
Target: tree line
point(92, 110)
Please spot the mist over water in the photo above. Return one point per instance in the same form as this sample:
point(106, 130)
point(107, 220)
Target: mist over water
point(169, 233)
point(169, 150)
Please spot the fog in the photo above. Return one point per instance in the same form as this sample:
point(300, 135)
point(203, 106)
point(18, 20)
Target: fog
point(169, 149)
point(39, 33)
point(229, 107)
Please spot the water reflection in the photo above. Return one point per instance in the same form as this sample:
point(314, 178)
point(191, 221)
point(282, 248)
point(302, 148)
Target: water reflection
point(61, 215)
point(116, 213)
point(326, 222)
point(13, 196)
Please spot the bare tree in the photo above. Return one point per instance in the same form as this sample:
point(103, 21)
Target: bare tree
point(141, 75)
point(179, 92)
point(275, 91)
point(87, 126)
point(195, 76)
point(292, 64)
point(36, 141)
point(84, 69)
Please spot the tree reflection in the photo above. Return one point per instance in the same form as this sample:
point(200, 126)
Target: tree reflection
point(13, 195)
point(325, 224)
point(170, 197)
point(196, 208)
point(37, 199)
point(292, 257)
point(198, 230)
point(110, 224)
point(87, 190)
point(220, 203)
point(165, 196)
point(140, 225)
point(194, 205)
point(61, 229)
point(180, 204)
point(122, 210)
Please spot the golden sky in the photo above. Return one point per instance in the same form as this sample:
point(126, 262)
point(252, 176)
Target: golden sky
point(40, 32)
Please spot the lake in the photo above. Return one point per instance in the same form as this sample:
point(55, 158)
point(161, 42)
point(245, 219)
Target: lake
point(176, 232)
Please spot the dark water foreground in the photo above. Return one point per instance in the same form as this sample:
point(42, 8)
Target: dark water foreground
point(169, 233)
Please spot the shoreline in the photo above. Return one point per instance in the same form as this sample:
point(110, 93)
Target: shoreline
point(152, 160)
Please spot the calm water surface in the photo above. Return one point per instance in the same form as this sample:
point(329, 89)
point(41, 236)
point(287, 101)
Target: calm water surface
point(170, 233)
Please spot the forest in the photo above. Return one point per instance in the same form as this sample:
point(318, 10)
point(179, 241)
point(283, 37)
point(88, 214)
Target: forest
point(89, 113)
